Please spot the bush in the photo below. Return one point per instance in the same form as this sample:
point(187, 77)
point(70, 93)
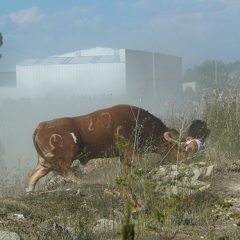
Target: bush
point(222, 113)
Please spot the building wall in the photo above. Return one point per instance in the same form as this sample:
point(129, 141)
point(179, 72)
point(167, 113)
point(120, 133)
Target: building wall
point(139, 74)
point(168, 74)
point(72, 79)
point(143, 76)
point(153, 76)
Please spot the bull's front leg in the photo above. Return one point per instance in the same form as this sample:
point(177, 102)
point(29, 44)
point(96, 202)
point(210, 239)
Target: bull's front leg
point(70, 176)
point(66, 172)
point(124, 147)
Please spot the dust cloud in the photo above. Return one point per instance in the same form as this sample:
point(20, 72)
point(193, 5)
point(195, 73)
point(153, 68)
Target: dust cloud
point(19, 118)
point(59, 93)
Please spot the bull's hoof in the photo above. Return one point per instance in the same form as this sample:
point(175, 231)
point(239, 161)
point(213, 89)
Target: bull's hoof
point(28, 191)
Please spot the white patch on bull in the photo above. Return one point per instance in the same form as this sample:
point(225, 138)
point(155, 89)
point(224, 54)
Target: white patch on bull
point(118, 136)
point(54, 137)
point(44, 150)
point(90, 126)
point(107, 114)
point(118, 129)
point(48, 154)
point(74, 137)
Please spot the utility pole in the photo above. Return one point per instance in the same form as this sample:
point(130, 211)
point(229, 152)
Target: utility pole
point(1, 42)
point(216, 75)
point(153, 75)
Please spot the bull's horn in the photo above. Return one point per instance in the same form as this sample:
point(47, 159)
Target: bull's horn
point(169, 138)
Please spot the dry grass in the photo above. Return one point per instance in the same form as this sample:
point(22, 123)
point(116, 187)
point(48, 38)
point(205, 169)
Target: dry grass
point(73, 214)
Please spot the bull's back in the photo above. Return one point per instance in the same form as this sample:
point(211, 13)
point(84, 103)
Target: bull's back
point(100, 127)
point(96, 131)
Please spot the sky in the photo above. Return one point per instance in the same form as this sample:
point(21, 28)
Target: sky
point(196, 30)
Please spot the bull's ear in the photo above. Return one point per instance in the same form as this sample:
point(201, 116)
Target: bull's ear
point(170, 137)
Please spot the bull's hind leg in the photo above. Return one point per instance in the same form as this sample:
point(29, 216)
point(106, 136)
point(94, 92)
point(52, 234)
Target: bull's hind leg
point(34, 175)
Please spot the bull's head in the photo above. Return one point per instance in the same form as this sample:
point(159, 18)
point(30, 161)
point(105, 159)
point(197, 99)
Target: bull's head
point(177, 150)
point(197, 131)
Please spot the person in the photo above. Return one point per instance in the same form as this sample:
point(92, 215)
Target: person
point(196, 136)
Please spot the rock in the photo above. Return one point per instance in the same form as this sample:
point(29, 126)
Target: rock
point(105, 225)
point(234, 214)
point(209, 171)
point(235, 166)
point(197, 174)
point(159, 173)
point(174, 167)
point(197, 184)
point(203, 188)
point(54, 181)
point(174, 190)
point(181, 178)
point(174, 174)
point(18, 216)
point(201, 164)
point(6, 235)
point(50, 227)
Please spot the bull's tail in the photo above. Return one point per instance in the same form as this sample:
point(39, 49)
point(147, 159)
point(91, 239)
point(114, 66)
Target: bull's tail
point(36, 144)
point(47, 158)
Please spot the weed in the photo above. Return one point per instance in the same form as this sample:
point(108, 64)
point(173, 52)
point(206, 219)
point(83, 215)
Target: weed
point(128, 232)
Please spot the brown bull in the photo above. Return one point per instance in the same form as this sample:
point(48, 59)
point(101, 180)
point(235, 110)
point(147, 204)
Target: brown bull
point(108, 132)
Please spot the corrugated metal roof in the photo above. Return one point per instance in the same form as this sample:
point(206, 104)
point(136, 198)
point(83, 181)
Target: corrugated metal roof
point(80, 60)
point(71, 60)
point(87, 56)
point(91, 52)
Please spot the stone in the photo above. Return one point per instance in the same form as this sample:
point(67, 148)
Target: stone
point(209, 171)
point(197, 174)
point(18, 216)
point(174, 174)
point(199, 185)
point(201, 164)
point(105, 225)
point(174, 167)
point(203, 188)
point(51, 227)
point(160, 172)
point(174, 190)
point(6, 235)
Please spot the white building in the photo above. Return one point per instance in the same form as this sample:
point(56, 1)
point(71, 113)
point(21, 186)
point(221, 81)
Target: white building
point(100, 71)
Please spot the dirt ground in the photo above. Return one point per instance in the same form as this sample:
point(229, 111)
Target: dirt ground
point(77, 210)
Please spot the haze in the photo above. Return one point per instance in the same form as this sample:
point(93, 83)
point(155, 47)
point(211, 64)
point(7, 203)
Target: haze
point(195, 30)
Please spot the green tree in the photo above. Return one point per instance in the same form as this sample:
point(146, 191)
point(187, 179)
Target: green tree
point(1, 39)
point(208, 75)
point(234, 73)
point(1, 42)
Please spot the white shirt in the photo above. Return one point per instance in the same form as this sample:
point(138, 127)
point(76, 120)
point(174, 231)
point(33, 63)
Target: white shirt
point(201, 146)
